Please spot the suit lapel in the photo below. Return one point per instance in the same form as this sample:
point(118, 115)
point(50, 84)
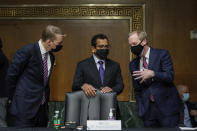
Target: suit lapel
point(107, 71)
point(151, 58)
point(94, 69)
point(137, 64)
point(39, 57)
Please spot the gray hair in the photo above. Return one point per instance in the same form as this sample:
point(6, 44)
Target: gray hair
point(50, 32)
point(141, 34)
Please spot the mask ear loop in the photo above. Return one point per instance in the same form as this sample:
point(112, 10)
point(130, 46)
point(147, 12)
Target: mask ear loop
point(141, 41)
point(143, 46)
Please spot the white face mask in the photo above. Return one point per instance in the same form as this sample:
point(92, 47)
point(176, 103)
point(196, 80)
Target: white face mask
point(185, 97)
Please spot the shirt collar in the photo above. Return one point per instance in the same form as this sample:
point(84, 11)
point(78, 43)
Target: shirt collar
point(42, 49)
point(147, 53)
point(97, 59)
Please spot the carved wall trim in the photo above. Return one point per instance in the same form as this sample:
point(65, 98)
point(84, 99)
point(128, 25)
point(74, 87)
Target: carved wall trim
point(135, 13)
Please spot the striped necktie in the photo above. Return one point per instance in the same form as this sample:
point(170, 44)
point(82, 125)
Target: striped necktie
point(45, 69)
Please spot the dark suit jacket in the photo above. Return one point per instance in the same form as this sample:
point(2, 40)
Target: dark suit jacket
point(87, 72)
point(3, 70)
point(161, 86)
point(190, 107)
point(25, 81)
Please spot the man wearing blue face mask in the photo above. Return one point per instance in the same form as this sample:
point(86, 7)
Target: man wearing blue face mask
point(190, 111)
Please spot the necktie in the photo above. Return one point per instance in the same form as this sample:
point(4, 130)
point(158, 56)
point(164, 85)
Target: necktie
point(101, 71)
point(45, 69)
point(145, 65)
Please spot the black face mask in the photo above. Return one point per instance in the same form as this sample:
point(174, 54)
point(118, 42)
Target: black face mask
point(137, 50)
point(58, 48)
point(102, 53)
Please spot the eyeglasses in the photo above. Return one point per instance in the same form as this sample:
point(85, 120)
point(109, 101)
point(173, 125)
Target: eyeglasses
point(103, 46)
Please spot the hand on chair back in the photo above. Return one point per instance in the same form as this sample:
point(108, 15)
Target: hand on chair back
point(88, 89)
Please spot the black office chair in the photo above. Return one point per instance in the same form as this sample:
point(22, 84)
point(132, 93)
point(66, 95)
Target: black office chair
point(80, 108)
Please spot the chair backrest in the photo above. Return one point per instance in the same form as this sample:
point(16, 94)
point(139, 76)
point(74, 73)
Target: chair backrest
point(80, 108)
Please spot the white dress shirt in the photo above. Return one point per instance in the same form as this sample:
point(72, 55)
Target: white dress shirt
point(43, 51)
point(147, 58)
point(97, 60)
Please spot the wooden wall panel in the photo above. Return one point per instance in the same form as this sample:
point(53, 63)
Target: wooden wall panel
point(172, 22)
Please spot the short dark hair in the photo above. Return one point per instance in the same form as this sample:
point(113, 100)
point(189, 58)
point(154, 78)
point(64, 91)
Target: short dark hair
point(98, 36)
point(1, 43)
point(50, 32)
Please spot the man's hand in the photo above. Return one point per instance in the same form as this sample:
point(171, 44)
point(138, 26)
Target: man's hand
point(193, 112)
point(88, 89)
point(143, 75)
point(106, 89)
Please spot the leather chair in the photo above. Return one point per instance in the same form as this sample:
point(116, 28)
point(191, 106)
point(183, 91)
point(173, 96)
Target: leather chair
point(79, 108)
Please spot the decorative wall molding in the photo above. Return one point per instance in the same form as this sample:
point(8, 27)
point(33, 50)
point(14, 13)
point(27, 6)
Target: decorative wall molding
point(135, 13)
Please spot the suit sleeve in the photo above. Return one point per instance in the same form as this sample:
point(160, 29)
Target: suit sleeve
point(191, 106)
point(3, 65)
point(136, 86)
point(78, 78)
point(119, 82)
point(16, 69)
point(2, 59)
point(166, 73)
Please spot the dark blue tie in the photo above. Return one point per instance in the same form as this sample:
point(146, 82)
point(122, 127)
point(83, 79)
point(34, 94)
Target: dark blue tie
point(101, 71)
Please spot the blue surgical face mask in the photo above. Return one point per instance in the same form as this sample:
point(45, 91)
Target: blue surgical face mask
point(185, 97)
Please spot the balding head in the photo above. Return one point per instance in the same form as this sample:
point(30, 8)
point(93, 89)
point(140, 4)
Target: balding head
point(182, 89)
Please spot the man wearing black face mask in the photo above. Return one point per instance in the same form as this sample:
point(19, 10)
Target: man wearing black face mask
point(58, 48)
point(157, 99)
point(98, 72)
point(28, 79)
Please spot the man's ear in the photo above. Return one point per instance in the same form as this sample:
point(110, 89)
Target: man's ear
point(93, 49)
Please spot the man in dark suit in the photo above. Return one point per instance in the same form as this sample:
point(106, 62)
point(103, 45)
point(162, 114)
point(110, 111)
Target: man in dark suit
point(28, 79)
point(158, 102)
point(3, 89)
point(88, 73)
point(190, 111)
point(98, 72)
